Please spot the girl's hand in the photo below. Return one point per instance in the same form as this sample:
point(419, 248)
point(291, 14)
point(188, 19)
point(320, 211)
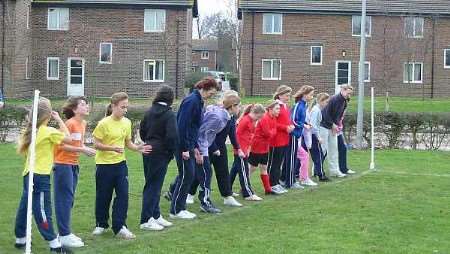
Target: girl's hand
point(307, 126)
point(145, 149)
point(217, 153)
point(320, 141)
point(55, 115)
point(185, 155)
point(118, 149)
point(290, 128)
point(241, 153)
point(89, 151)
point(198, 157)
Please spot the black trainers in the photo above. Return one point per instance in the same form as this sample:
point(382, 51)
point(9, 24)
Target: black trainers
point(168, 196)
point(61, 250)
point(324, 179)
point(210, 208)
point(19, 246)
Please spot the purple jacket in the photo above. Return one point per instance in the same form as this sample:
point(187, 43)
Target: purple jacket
point(214, 121)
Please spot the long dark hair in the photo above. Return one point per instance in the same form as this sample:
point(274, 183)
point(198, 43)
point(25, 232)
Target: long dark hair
point(71, 104)
point(165, 94)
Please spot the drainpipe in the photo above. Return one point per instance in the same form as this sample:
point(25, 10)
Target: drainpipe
point(253, 53)
point(433, 48)
point(3, 46)
point(177, 58)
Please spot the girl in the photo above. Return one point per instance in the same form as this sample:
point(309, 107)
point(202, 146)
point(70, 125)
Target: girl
point(279, 149)
point(302, 119)
point(245, 133)
point(342, 149)
point(46, 140)
point(266, 129)
point(317, 154)
point(158, 129)
point(66, 168)
point(111, 136)
point(189, 119)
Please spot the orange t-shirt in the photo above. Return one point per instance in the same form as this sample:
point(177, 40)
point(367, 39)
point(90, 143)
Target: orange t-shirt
point(77, 130)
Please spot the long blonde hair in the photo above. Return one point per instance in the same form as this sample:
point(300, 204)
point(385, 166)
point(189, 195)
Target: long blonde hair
point(43, 116)
point(230, 98)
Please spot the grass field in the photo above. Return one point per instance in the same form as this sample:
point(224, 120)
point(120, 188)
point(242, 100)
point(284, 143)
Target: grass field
point(404, 207)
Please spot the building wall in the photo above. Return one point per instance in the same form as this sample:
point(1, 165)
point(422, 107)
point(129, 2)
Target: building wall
point(198, 62)
point(387, 50)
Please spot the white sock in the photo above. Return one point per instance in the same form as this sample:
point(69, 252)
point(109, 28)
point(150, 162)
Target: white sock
point(54, 243)
point(21, 240)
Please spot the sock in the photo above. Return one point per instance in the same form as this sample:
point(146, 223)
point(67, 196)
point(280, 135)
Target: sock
point(21, 240)
point(266, 183)
point(54, 243)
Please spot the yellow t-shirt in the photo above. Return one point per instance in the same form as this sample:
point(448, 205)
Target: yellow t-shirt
point(46, 140)
point(113, 133)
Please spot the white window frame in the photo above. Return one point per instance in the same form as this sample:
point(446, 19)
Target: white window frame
point(414, 27)
point(48, 66)
point(205, 54)
point(368, 71)
point(27, 74)
point(148, 29)
point(272, 19)
point(321, 55)
point(28, 16)
point(58, 27)
point(349, 72)
point(100, 53)
point(413, 73)
point(163, 71)
point(204, 69)
point(446, 52)
point(369, 19)
point(271, 69)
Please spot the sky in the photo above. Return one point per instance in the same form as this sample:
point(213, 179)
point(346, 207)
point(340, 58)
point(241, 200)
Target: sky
point(208, 7)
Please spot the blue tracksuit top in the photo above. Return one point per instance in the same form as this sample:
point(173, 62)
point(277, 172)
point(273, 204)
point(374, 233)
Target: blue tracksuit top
point(189, 119)
point(298, 116)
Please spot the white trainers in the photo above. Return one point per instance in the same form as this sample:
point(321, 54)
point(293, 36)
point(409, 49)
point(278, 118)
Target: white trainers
point(151, 224)
point(190, 199)
point(297, 186)
point(126, 234)
point(71, 241)
point(98, 231)
point(235, 194)
point(230, 201)
point(184, 215)
point(351, 172)
point(161, 221)
point(253, 198)
point(337, 174)
point(309, 182)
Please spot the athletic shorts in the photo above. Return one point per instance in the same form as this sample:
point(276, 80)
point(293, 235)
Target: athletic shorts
point(255, 159)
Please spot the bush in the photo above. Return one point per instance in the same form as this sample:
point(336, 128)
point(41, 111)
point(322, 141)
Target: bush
point(234, 82)
point(12, 118)
point(193, 78)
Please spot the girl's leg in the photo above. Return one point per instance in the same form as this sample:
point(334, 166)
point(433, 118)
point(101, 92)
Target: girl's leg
point(63, 185)
point(304, 158)
point(186, 174)
point(265, 178)
point(120, 204)
point(244, 178)
point(220, 164)
point(342, 149)
point(104, 185)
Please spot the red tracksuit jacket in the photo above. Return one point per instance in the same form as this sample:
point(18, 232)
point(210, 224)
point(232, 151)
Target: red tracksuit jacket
point(282, 122)
point(245, 132)
point(266, 129)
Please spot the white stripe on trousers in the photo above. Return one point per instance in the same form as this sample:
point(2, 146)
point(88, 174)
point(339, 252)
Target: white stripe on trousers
point(244, 175)
point(42, 198)
point(292, 159)
point(181, 183)
point(206, 197)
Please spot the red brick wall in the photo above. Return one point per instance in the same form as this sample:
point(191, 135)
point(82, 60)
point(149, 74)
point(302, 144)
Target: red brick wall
point(198, 62)
point(387, 50)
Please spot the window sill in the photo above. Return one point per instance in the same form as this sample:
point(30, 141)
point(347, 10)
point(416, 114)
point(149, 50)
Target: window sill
point(154, 31)
point(271, 79)
point(316, 64)
point(52, 79)
point(153, 81)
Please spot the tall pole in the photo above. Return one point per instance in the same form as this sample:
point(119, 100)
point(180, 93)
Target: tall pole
point(372, 129)
point(361, 74)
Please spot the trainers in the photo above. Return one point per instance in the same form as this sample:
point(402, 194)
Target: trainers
point(61, 250)
point(71, 241)
point(210, 208)
point(20, 243)
point(235, 194)
point(350, 172)
point(253, 198)
point(126, 234)
point(190, 199)
point(230, 201)
point(276, 190)
point(98, 231)
point(168, 196)
point(309, 182)
point(282, 183)
point(324, 179)
point(161, 221)
point(151, 224)
point(338, 174)
point(297, 186)
point(183, 215)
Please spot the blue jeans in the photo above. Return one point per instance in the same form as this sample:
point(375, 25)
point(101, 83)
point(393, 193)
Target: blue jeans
point(42, 208)
point(65, 179)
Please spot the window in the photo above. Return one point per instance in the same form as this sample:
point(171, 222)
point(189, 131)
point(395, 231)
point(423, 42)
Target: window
point(447, 58)
point(52, 68)
point(414, 27)
point(58, 19)
point(205, 55)
point(316, 55)
point(343, 72)
point(27, 62)
point(272, 23)
point(153, 70)
point(413, 72)
point(204, 69)
point(105, 53)
point(356, 26)
point(154, 20)
point(367, 72)
point(271, 69)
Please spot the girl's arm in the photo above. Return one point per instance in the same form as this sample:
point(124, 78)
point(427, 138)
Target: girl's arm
point(142, 148)
point(98, 144)
point(62, 127)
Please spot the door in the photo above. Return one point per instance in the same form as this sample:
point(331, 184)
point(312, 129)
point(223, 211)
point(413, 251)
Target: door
point(343, 74)
point(75, 76)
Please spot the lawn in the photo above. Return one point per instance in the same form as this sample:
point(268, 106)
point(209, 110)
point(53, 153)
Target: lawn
point(404, 207)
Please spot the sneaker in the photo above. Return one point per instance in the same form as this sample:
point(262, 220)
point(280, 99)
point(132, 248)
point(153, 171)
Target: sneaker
point(324, 179)
point(161, 221)
point(230, 201)
point(20, 243)
point(210, 208)
point(61, 250)
point(126, 234)
point(338, 174)
point(235, 194)
point(168, 196)
point(282, 183)
point(276, 190)
point(151, 224)
point(253, 198)
point(297, 186)
point(98, 231)
point(350, 172)
point(183, 215)
point(309, 182)
point(190, 199)
point(71, 241)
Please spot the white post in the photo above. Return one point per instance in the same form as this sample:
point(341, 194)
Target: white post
point(361, 74)
point(372, 127)
point(31, 165)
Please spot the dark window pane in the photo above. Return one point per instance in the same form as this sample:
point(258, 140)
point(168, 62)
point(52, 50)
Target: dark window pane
point(76, 71)
point(447, 58)
point(76, 63)
point(76, 80)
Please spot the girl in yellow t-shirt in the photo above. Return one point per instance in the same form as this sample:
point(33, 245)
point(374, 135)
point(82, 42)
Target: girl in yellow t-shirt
point(111, 136)
point(46, 140)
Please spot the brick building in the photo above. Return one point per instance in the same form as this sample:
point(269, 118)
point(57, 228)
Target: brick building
point(94, 47)
point(204, 55)
point(317, 43)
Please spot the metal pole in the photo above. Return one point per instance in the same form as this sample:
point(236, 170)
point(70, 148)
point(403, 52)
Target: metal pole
point(372, 127)
point(362, 59)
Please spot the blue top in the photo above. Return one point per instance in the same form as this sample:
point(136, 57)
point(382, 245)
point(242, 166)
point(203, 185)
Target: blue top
point(189, 119)
point(214, 121)
point(298, 116)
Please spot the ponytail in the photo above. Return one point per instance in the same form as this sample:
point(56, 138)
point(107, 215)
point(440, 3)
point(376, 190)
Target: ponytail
point(108, 110)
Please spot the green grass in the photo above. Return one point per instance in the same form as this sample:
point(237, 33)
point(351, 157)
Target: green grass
point(402, 208)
